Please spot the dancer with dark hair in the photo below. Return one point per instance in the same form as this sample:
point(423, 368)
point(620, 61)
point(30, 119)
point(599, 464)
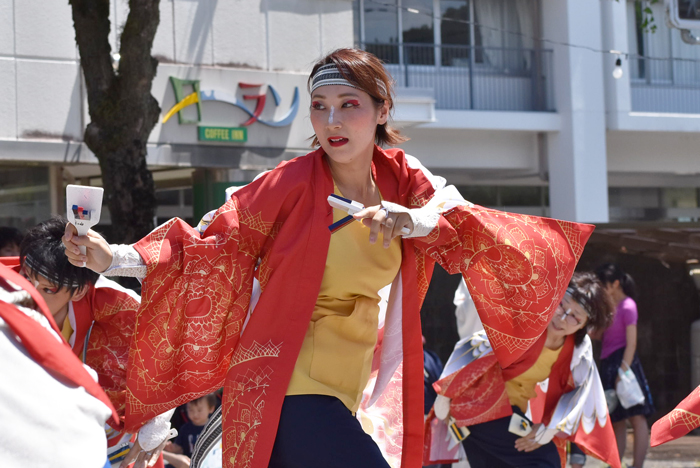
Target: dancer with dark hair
point(619, 351)
point(52, 410)
point(313, 374)
point(487, 404)
point(96, 317)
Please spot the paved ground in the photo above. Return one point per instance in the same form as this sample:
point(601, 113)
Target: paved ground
point(681, 453)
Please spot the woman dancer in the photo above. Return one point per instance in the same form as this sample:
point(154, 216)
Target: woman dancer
point(491, 401)
point(619, 351)
point(297, 355)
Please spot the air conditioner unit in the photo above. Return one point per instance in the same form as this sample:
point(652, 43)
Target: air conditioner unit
point(683, 14)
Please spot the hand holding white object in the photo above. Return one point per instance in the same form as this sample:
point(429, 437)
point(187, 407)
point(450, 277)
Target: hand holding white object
point(141, 458)
point(150, 441)
point(98, 255)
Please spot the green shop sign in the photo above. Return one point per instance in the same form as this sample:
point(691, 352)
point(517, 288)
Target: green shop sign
point(226, 134)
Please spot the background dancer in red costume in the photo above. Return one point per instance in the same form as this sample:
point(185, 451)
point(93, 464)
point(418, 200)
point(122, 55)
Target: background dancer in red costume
point(52, 410)
point(95, 316)
point(485, 398)
point(297, 356)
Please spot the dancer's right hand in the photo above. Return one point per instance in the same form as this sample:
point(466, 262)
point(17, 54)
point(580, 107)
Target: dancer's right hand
point(98, 254)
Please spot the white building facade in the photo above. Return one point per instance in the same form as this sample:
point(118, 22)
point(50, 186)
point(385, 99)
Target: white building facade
point(513, 101)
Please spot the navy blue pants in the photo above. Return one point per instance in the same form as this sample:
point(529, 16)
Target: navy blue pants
point(490, 445)
point(318, 431)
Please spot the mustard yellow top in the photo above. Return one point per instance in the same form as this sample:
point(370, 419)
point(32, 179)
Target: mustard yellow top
point(66, 329)
point(336, 355)
point(522, 388)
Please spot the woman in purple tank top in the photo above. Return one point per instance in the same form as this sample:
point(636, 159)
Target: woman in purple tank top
point(619, 351)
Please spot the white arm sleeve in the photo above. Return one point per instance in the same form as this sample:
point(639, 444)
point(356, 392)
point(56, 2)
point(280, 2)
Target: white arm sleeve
point(425, 219)
point(126, 261)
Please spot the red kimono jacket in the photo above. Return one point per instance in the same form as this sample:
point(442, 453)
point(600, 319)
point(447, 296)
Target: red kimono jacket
point(197, 292)
point(53, 355)
point(106, 316)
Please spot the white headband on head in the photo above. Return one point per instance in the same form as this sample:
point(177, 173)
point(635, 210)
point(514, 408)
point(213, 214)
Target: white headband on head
point(38, 268)
point(329, 74)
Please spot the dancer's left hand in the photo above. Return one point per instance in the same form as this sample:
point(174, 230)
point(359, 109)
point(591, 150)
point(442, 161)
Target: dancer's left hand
point(528, 443)
point(140, 457)
point(380, 220)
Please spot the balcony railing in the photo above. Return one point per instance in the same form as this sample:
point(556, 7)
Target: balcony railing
point(473, 78)
point(665, 85)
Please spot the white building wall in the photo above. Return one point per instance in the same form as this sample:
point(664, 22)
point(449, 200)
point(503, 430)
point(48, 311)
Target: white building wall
point(52, 108)
point(476, 150)
point(273, 35)
point(276, 42)
point(8, 99)
point(44, 30)
point(7, 29)
point(240, 33)
point(662, 154)
point(221, 41)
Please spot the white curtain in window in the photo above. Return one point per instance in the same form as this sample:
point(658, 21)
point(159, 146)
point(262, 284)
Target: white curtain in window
point(526, 10)
point(488, 15)
point(506, 24)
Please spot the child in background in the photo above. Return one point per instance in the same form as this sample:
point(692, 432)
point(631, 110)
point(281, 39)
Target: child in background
point(198, 412)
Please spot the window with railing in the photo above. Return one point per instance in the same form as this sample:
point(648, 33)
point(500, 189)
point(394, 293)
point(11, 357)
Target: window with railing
point(473, 54)
point(664, 71)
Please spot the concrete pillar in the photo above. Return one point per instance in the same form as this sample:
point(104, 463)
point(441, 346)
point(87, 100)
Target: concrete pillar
point(618, 94)
point(577, 153)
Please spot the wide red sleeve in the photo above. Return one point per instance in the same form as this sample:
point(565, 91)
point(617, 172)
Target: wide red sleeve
point(517, 268)
point(196, 296)
point(684, 418)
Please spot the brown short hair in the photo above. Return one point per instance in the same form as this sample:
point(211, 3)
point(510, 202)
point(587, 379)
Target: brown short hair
point(366, 71)
point(588, 291)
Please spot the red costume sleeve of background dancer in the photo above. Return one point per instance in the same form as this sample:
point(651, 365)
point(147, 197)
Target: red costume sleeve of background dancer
point(49, 352)
point(684, 418)
point(574, 404)
point(112, 309)
point(195, 298)
point(517, 268)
